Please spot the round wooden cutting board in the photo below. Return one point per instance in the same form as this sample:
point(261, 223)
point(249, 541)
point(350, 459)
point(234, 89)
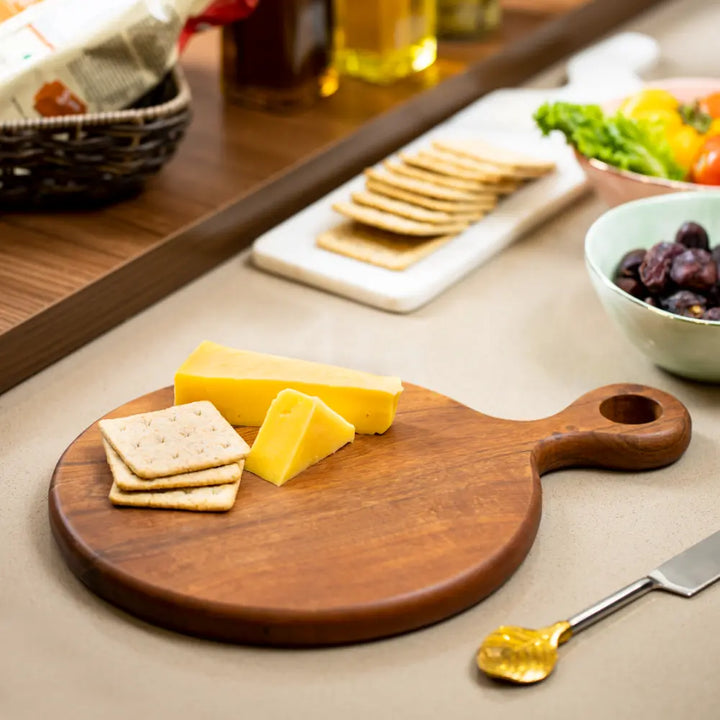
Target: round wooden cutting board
point(389, 534)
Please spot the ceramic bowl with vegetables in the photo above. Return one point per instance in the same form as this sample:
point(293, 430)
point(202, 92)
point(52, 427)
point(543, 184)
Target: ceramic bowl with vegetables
point(655, 264)
point(663, 139)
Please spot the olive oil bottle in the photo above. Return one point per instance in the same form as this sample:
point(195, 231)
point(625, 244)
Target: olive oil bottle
point(458, 19)
point(384, 40)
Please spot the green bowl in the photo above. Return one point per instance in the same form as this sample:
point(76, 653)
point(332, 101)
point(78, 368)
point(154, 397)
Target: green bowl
point(684, 346)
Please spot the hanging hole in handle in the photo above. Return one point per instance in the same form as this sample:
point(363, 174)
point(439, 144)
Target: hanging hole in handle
point(630, 409)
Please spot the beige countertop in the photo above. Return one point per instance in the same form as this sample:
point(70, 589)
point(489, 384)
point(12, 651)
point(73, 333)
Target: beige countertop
point(520, 337)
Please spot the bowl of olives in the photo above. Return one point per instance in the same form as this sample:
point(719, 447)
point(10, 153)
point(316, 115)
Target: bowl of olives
point(655, 265)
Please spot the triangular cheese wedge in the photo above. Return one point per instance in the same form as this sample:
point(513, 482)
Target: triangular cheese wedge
point(298, 431)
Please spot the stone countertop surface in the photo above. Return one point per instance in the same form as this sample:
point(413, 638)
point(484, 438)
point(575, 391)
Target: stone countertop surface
point(520, 337)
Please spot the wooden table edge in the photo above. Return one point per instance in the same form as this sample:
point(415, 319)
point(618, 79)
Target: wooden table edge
point(67, 325)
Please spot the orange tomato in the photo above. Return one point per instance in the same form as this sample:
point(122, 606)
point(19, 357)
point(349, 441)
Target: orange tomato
point(706, 169)
point(711, 104)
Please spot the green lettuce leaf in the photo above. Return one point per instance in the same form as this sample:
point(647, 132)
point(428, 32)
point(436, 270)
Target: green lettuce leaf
point(637, 145)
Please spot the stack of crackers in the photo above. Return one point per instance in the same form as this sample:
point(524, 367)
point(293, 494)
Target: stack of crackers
point(417, 202)
point(186, 457)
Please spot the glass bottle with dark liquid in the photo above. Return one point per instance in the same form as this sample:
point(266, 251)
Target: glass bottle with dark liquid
point(280, 57)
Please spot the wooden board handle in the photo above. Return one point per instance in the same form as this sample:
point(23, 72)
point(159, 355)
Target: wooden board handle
point(623, 426)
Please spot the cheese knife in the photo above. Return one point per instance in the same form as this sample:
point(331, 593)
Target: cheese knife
point(525, 656)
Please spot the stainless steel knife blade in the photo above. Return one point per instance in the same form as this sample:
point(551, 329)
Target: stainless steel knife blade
point(692, 570)
point(686, 574)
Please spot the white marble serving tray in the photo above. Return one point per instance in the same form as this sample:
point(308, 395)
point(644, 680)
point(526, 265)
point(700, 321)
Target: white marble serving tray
point(606, 70)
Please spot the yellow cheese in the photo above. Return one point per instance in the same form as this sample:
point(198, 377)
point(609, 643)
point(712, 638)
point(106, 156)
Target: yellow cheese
point(242, 384)
point(298, 431)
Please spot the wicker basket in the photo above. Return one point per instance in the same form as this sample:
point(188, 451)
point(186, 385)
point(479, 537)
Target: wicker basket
point(92, 159)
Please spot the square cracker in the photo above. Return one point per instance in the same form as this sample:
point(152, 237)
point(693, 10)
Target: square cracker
point(384, 249)
point(422, 187)
point(429, 175)
point(410, 211)
point(211, 498)
point(451, 165)
point(452, 207)
point(128, 481)
point(466, 164)
point(178, 439)
point(509, 161)
point(395, 223)
point(437, 163)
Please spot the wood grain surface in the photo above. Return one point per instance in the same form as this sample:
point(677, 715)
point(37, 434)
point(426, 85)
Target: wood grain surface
point(66, 277)
point(389, 534)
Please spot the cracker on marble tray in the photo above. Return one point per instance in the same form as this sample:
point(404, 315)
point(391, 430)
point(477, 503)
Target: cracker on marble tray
point(128, 481)
point(410, 210)
point(472, 164)
point(422, 187)
point(509, 161)
point(377, 247)
point(453, 207)
point(459, 166)
point(394, 223)
point(178, 439)
point(432, 163)
point(428, 175)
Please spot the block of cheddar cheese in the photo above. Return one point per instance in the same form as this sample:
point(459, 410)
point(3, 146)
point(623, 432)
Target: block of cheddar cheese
point(298, 431)
point(242, 384)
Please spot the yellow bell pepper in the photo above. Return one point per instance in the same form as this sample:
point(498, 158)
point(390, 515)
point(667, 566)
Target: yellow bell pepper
point(686, 143)
point(649, 100)
point(714, 128)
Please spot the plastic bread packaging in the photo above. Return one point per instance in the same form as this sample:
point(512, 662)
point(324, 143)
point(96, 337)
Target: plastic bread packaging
point(65, 57)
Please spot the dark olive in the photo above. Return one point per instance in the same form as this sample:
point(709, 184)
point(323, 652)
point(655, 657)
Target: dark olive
point(693, 235)
point(715, 252)
point(686, 303)
point(632, 286)
point(694, 269)
point(629, 265)
point(655, 267)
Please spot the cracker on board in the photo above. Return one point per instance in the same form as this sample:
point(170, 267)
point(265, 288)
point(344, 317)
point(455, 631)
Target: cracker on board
point(427, 175)
point(509, 161)
point(384, 249)
point(485, 172)
point(411, 211)
point(210, 498)
point(447, 164)
point(177, 439)
point(424, 188)
point(394, 223)
point(429, 162)
point(128, 481)
point(449, 206)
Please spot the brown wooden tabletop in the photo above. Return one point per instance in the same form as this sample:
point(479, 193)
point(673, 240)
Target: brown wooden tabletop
point(65, 277)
